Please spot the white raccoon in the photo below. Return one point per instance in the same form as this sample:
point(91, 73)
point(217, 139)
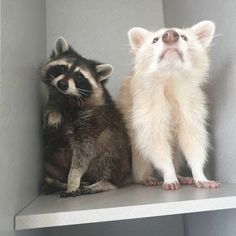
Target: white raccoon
point(164, 106)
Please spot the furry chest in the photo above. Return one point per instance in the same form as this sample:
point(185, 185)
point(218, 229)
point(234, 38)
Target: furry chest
point(173, 104)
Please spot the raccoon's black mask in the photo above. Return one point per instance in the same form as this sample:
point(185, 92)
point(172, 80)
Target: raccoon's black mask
point(71, 74)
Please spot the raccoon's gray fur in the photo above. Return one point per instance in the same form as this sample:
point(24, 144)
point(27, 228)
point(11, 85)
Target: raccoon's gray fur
point(83, 128)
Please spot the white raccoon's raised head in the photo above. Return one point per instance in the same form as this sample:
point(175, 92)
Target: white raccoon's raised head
point(172, 51)
point(73, 75)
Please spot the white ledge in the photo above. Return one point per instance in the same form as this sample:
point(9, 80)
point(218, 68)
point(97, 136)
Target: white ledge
point(126, 203)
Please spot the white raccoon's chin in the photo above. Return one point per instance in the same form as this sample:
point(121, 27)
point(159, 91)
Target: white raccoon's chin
point(172, 55)
point(168, 66)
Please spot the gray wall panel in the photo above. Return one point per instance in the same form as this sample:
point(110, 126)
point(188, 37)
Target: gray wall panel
point(216, 223)
point(161, 226)
point(23, 46)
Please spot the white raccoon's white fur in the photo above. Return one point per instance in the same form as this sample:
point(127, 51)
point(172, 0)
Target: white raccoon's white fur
point(163, 103)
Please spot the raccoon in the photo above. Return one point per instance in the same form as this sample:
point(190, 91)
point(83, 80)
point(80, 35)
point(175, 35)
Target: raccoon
point(164, 104)
point(84, 134)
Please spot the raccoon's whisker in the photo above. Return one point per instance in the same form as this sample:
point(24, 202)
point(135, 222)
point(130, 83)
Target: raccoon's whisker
point(83, 90)
point(80, 98)
point(51, 76)
point(83, 93)
point(76, 97)
point(217, 35)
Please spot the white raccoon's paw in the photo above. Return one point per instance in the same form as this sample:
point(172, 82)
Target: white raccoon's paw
point(207, 184)
point(171, 186)
point(151, 181)
point(54, 119)
point(185, 180)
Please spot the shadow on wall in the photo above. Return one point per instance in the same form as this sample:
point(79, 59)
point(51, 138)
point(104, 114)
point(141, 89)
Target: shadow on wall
point(218, 85)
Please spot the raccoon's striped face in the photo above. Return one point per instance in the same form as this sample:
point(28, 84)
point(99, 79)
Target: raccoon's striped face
point(70, 78)
point(72, 74)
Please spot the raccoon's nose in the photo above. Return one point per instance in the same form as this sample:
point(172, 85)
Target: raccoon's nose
point(170, 37)
point(62, 84)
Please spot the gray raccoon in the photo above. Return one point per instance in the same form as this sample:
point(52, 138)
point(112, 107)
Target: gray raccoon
point(83, 127)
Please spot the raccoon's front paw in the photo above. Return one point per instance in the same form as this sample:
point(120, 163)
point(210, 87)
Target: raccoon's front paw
point(151, 181)
point(85, 190)
point(70, 194)
point(171, 186)
point(54, 119)
point(207, 184)
point(185, 180)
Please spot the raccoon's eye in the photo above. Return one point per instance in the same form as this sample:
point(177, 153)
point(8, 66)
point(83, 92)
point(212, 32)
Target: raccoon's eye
point(79, 75)
point(57, 70)
point(184, 37)
point(78, 79)
point(155, 40)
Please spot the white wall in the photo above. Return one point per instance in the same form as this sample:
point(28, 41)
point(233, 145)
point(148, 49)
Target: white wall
point(23, 46)
point(222, 97)
point(98, 29)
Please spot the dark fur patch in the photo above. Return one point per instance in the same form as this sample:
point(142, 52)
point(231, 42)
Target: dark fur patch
point(95, 132)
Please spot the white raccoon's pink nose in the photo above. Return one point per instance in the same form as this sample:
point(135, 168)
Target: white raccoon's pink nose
point(170, 37)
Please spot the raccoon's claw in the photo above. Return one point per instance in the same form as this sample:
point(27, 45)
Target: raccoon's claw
point(70, 194)
point(171, 186)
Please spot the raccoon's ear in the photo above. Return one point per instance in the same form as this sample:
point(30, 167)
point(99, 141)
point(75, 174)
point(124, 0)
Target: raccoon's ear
point(136, 37)
point(104, 71)
point(61, 46)
point(204, 31)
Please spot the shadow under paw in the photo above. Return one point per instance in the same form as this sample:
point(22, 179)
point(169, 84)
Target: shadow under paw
point(85, 190)
point(70, 194)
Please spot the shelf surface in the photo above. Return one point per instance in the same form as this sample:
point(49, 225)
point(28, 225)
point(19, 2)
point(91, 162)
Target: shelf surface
point(126, 203)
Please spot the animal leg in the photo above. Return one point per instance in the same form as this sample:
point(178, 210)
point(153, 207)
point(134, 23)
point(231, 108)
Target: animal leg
point(193, 141)
point(143, 170)
point(55, 184)
point(77, 170)
point(100, 186)
point(162, 160)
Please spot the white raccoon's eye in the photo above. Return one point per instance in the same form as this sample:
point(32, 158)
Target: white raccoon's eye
point(184, 37)
point(155, 40)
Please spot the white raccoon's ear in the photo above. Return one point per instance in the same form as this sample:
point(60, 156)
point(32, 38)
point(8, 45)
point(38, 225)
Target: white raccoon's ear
point(61, 45)
point(204, 31)
point(136, 37)
point(104, 71)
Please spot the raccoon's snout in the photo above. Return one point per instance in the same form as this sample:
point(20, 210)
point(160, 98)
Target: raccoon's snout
point(62, 85)
point(170, 37)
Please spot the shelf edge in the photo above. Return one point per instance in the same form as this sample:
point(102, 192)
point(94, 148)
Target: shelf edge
point(122, 213)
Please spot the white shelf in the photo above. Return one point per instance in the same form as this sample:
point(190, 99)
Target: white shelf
point(126, 203)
